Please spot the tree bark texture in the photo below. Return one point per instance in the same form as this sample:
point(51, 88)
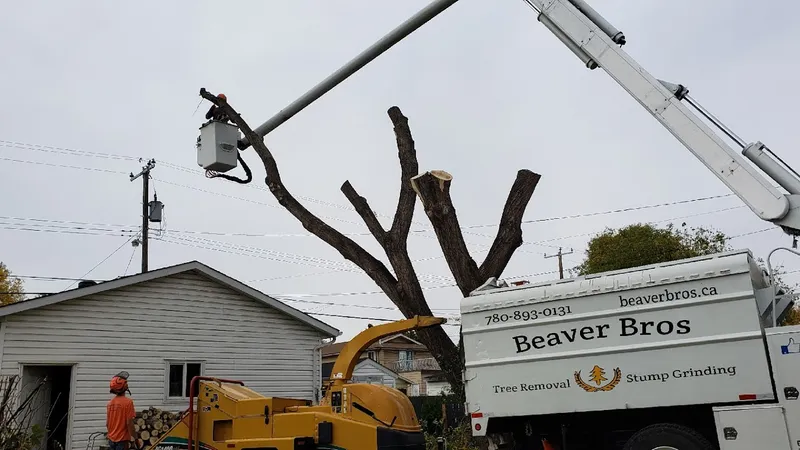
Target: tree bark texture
point(433, 188)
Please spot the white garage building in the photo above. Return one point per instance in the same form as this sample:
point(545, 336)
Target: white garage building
point(163, 327)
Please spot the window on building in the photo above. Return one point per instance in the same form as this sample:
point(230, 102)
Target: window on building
point(405, 360)
point(372, 355)
point(179, 379)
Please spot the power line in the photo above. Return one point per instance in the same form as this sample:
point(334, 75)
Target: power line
point(346, 266)
point(301, 275)
point(63, 166)
point(77, 152)
point(43, 278)
point(615, 211)
point(343, 207)
point(133, 253)
point(209, 244)
point(276, 256)
point(96, 154)
point(220, 194)
point(87, 233)
point(199, 232)
point(350, 294)
point(242, 250)
point(378, 319)
point(171, 165)
point(110, 228)
point(416, 232)
point(282, 256)
point(113, 229)
point(562, 238)
point(36, 219)
point(66, 227)
point(102, 261)
point(386, 308)
point(773, 228)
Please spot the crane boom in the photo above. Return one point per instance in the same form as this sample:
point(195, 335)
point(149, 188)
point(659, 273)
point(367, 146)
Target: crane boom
point(598, 44)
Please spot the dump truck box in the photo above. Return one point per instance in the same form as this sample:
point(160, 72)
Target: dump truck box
point(682, 333)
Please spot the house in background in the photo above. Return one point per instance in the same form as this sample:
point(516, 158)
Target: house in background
point(370, 371)
point(163, 327)
point(436, 384)
point(400, 353)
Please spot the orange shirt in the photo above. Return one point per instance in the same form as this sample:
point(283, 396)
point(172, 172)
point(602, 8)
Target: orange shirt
point(118, 412)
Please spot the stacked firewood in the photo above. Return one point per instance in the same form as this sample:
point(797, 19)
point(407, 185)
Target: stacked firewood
point(150, 424)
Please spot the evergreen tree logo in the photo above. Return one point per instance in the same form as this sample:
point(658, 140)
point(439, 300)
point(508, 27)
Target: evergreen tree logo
point(597, 376)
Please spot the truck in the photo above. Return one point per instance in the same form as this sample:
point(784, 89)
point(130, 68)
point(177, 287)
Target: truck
point(680, 355)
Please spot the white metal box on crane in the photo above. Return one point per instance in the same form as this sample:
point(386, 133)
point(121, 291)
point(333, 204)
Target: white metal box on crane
point(217, 146)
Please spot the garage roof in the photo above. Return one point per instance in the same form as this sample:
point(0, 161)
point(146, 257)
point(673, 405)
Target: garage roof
point(192, 266)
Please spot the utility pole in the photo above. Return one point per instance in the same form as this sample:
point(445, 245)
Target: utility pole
point(560, 263)
point(145, 174)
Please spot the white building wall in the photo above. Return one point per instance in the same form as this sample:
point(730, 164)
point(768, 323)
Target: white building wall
point(140, 328)
point(363, 372)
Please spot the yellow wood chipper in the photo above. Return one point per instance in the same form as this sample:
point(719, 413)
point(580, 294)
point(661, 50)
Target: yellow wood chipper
point(352, 416)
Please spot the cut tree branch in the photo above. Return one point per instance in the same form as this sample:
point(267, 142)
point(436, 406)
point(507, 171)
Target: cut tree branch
point(394, 242)
point(362, 208)
point(433, 189)
point(409, 168)
point(509, 233)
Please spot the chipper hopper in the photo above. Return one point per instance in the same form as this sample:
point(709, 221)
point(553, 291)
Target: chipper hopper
point(225, 414)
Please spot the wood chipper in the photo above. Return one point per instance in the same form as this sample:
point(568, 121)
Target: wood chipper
point(353, 416)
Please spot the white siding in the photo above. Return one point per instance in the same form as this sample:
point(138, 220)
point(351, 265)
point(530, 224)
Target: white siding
point(138, 328)
point(367, 372)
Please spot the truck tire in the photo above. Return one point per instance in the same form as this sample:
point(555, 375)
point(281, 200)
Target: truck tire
point(668, 436)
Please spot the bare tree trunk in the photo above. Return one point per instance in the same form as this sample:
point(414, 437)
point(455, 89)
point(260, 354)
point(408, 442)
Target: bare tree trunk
point(403, 287)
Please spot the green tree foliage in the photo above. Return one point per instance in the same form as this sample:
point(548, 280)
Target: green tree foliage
point(793, 317)
point(11, 289)
point(643, 244)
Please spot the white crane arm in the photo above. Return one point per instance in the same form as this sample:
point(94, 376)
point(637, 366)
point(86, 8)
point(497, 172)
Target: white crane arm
point(595, 41)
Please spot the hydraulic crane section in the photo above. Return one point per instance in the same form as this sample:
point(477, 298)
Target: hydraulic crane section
point(595, 41)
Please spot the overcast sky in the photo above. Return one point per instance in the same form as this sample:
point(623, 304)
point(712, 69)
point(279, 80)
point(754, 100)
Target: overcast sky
point(96, 85)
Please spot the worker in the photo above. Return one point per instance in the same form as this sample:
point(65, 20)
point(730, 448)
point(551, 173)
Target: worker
point(215, 113)
point(120, 414)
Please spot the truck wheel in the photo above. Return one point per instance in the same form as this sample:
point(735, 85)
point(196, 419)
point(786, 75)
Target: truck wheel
point(668, 436)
